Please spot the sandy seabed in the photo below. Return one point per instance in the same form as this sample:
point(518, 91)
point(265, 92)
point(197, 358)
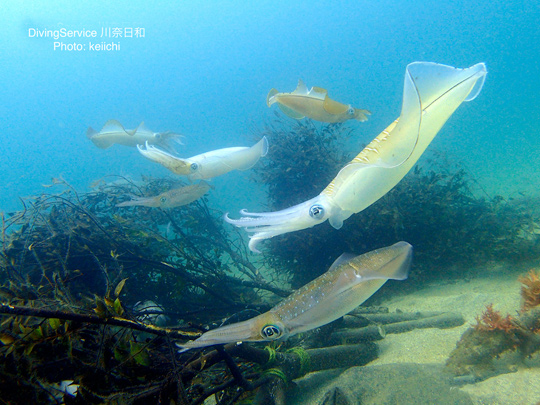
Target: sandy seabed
point(423, 350)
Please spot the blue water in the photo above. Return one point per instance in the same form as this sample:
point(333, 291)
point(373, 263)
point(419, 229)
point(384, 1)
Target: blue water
point(204, 68)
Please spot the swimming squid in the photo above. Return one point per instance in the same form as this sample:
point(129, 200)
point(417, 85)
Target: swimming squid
point(209, 164)
point(314, 104)
point(172, 198)
point(114, 133)
point(348, 283)
point(432, 92)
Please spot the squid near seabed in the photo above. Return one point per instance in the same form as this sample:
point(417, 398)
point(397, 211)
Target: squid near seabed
point(114, 133)
point(314, 104)
point(176, 197)
point(209, 164)
point(432, 92)
point(348, 283)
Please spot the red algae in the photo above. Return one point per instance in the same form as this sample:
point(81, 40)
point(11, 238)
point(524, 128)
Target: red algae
point(493, 320)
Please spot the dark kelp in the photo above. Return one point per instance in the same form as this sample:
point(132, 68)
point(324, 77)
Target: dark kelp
point(72, 267)
point(437, 208)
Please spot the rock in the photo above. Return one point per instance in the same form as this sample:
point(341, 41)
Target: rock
point(387, 384)
point(335, 396)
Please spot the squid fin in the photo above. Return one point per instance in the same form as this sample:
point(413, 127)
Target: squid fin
point(265, 146)
point(141, 128)
point(113, 126)
point(394, 263)
point(93, 135)
point(269, 98)
point(336, 222)
point(476, 89)
point(319, 90)
point(301, 88)
point(262, 146)
point(90, 132)
point(344, 258)
point(318, 93)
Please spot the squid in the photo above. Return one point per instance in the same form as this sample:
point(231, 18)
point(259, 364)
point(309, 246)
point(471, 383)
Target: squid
point(348, 283)
point(114, 133)
point(314, 104)
point(209, 164)
point(171, 199)
point(432, 92)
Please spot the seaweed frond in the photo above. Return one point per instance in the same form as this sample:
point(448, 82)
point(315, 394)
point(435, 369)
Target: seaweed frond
point(530, 290)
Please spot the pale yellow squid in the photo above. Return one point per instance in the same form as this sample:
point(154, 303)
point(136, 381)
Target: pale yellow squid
point(314, 104)
point(432, 92)
point(348, 283)
point(114, 133)
point(174, 198)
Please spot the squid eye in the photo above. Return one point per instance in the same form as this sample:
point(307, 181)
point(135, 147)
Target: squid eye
point(316, 211)
point(350, 111)
point(157, 135)
point(163, 200)
point(194, 167)
point(271, 332)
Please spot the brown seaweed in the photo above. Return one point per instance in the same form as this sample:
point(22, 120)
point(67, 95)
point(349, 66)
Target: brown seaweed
point(72, 268)
point(530, 290)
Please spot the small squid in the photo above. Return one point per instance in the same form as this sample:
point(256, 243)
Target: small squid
point(114, 133)
point(348, 283)
point(172, 198)
point(209, 164)
point(432, 92)
point(314, 104)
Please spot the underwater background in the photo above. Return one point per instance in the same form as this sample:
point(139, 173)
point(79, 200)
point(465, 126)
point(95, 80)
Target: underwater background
point(203, 69)
point(79, 270)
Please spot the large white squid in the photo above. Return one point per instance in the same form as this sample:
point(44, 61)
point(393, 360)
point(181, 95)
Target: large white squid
point(432, 92)
point(209, 164)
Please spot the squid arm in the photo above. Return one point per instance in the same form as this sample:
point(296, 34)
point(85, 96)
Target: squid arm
point(209, 164)
point(432, 92)
point(348, 283)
